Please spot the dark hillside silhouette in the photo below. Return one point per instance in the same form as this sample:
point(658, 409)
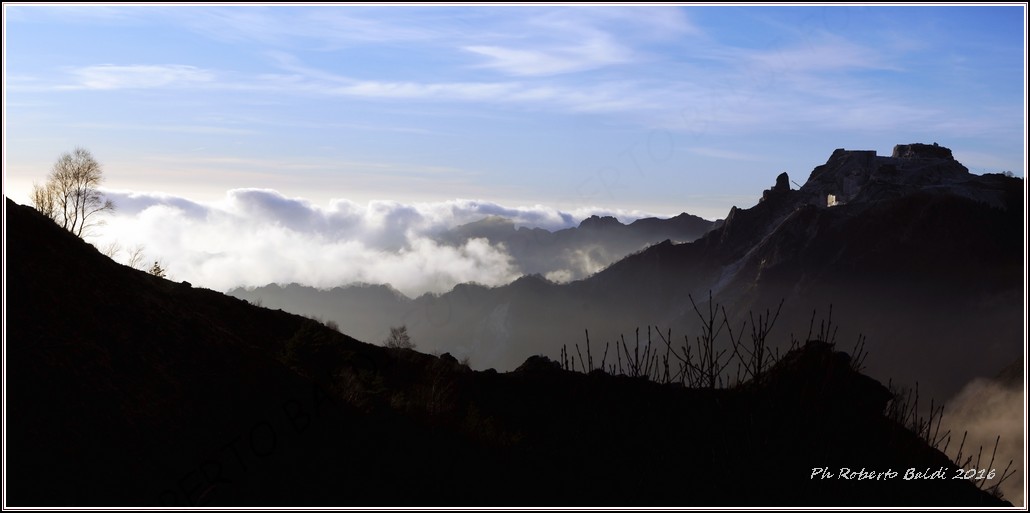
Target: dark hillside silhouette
point(128, 389)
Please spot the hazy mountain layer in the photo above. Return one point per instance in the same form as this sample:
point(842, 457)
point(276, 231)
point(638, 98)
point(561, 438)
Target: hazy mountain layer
point(575, 253)
point(912, 250)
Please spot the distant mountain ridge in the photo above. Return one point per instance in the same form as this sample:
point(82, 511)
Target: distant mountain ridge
point(911, 249)
point(562, 255)
point(575, 253)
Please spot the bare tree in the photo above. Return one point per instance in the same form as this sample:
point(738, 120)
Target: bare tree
point(43, 199)
point(399, 338)
point(70, 196)
point(111, 249)
point(136, 257)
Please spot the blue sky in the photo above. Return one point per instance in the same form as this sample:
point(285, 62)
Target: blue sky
point(646, 109)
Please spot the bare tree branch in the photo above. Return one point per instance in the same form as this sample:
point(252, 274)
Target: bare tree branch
point(136, 257)
point(71, 196)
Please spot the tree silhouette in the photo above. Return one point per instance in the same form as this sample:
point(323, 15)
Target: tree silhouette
point(157, 270)
point(136, 257)
point(399, 339)
point(70, 196)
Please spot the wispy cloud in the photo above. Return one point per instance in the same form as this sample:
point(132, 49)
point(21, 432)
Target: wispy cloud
point(822, 54)
point(574, 40)
point(307, 163)
point(185, 129)
point(143, 76)
point(465, 91)
point(319, 29)
point(710, 78)
point(91, 13)
point(581, 48)
point(814, 81)
point(600, 97)
point(589, 55)
point(304, 79)
point(801, 99)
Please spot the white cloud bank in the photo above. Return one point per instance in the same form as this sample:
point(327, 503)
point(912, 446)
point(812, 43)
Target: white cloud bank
point(986, 410)
point(254, 237)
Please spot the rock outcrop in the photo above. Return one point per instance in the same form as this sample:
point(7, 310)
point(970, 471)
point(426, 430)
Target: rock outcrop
point(600, 222)
point(919, 150)
point(862, 176)
point(780, 189)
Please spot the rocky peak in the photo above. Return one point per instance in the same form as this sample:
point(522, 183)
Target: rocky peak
point(599, 222)
point(851, 176)
point(539, 364)
point(921, 151)
point(780, 189)
point(817, 373)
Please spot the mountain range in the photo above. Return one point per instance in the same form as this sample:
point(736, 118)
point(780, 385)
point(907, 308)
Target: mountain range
point(562, 255)
point(127, 389)
point(912, 251)
point(575, 253)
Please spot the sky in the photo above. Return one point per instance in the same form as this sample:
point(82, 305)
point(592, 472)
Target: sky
point(427, 116)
